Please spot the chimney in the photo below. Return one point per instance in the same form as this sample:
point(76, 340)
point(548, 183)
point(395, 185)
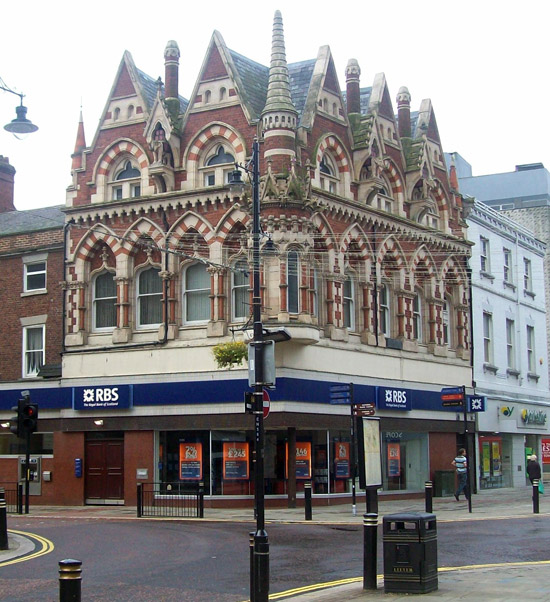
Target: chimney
point(171, 69)
point(404, 112)
point(7, 176)
point(353, 94)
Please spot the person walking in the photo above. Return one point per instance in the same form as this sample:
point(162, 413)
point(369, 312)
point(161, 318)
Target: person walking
point(461, 465)
point(533, 469)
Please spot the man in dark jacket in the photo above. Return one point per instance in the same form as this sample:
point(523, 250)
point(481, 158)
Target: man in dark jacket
point(533, 469)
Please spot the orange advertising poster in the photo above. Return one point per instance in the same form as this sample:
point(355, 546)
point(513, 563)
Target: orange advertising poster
point(303, 460)
point(342, 460)
point(394, 459)
point(235, 460)
point(190, 461)
point(546, 451)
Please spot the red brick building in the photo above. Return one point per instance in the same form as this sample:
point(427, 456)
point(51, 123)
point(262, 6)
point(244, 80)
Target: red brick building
point(368, 274)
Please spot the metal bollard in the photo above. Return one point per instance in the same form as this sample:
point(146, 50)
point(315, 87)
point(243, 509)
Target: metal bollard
point(70, 580)
point(307, 500)
point(19, 499)
point(428, 491)
point(535, 496)
point(3, 521)
point(139, 500)
point(261, 567)
point(251, 544)
point(200, 501)
point(370, 532)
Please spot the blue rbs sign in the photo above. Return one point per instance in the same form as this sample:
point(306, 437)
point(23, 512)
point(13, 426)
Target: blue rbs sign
point(394, 399)
point(102, 398)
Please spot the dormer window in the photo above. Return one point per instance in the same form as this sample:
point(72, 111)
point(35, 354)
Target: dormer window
point(127, 182)
point(217, 167)
point(327, 175)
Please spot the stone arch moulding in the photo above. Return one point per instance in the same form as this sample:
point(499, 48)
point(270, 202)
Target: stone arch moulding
point(235, 215)
point(355, 233)
point(396, 182)
point(331, 143)
point(194, 152)
point(86, 245)
point(105, 162)
point(391, 248)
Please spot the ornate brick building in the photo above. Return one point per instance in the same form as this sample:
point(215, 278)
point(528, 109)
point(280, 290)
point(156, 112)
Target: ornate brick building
point(363, 261)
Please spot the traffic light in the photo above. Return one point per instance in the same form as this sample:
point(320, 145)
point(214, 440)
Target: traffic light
point(30, 418)
point(16, 422)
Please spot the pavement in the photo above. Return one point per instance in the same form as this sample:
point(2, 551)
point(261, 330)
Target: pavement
point(497, 582)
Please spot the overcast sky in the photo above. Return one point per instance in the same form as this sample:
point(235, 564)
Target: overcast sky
point(482, 63)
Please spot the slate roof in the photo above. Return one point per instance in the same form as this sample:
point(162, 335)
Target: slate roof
point(149, 89)
point(300, 79)
point(254, 78)
point(32, 220)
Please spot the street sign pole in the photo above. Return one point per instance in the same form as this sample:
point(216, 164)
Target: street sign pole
point(353, 454)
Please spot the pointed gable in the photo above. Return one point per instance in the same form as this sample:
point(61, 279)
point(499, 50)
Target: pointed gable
point(214, 67)
point(331, 79)
point(124, 85)
point(386, 107)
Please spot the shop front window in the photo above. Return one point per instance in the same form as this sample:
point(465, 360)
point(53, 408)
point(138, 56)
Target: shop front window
point(494, 461)
point(404, 460)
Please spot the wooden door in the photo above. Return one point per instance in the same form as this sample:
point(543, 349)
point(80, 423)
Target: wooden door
point(104, 471)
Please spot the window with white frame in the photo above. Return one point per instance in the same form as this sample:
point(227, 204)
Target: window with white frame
point(348, 304)
point(217, 167)
point(127, 182)
point(149, 297)
point(487, 337)
point(292, 281)
point(485, 265)
point(507, 267)
point(531, 365)
point(34, 350)
point(328, 174)
point(34, 277)
point(196, 294)
point(104, 301)
point(527, 276)
point(417, 318)
point(384, 310)
point(240, 297)
point(510, 344)
point(446, 324)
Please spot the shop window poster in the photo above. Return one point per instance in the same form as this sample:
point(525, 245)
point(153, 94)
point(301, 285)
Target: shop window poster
point(546, 451)
point(486, 459)
point(235, 460)
point(190, 461)
point(303, 460)
point(342, 460)
point(394, 459)
point(497, 464)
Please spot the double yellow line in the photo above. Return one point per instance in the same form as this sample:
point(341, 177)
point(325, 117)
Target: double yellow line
point(321, 586)
point(45, 546)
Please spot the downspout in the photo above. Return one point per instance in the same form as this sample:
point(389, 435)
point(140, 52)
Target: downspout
point(66, 227)
point(166, 238)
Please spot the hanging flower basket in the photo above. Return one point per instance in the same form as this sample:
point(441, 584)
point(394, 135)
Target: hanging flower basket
point(230, 354)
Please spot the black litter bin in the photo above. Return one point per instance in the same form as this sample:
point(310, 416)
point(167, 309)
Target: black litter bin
point(410, 553)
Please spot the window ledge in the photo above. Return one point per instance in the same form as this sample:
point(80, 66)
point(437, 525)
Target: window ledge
point(490, 368)
point(486, 275)
point(512, 372)
point(509, 285)
point(533, 376)
point(529, 293)
point(38, 291)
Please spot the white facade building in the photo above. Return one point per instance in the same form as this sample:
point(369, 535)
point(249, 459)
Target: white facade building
point(510, 350)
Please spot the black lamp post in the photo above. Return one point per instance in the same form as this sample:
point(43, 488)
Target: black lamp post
point(259, 582)
point(19, 125)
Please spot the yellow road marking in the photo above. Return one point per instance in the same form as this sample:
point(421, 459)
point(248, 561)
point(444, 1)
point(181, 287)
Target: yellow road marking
point(47, 546)
point(320, 586)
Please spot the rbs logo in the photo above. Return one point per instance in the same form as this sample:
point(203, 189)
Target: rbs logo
point(393, 396)
point(100, 396)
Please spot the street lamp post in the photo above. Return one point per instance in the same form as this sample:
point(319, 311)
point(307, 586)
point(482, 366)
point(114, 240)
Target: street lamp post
point(260, 566)
point(19, 125)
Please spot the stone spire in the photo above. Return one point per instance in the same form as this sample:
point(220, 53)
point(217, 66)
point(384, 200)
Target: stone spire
point(279, 117)
point(80, 144)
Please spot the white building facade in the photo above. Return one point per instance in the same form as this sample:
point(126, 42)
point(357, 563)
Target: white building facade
point(510, 350)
